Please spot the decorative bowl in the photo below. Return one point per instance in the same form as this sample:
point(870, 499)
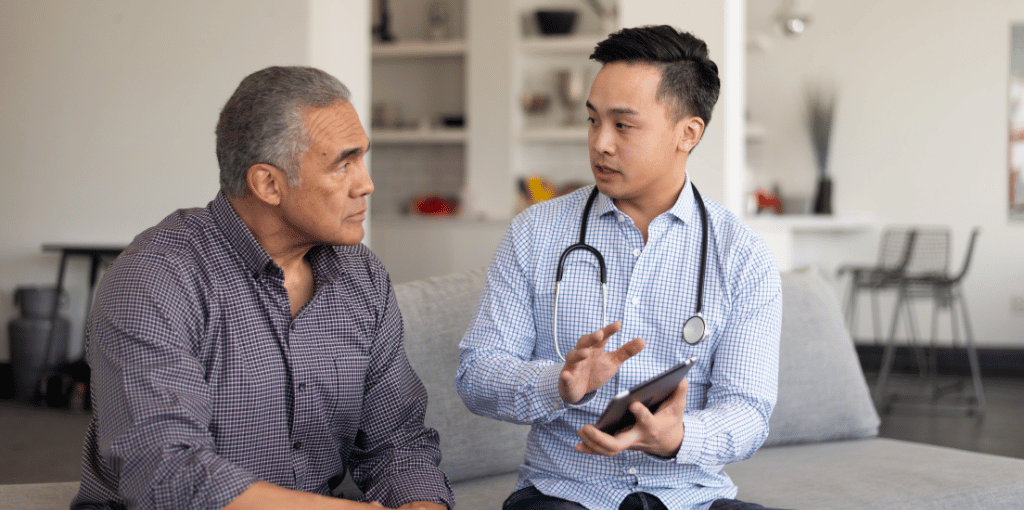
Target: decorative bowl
point(556, 22)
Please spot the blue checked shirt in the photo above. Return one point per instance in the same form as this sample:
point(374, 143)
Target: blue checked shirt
point(203, 383)
point(509, 368)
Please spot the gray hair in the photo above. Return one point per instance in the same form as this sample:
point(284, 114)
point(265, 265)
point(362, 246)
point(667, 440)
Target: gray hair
point(263, 123)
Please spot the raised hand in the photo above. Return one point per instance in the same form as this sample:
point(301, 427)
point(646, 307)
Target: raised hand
point(588, 367)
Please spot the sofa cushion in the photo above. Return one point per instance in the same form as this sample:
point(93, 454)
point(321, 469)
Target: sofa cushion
point(436, 313)
point(878, 473)
point(37, 496)
point(822, 391)
point(486, 493)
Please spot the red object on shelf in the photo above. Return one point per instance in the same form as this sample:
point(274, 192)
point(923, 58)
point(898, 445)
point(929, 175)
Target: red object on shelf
point(435, 205)
point(768, 201)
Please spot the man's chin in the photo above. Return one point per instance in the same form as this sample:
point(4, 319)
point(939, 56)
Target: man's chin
point(350, 237)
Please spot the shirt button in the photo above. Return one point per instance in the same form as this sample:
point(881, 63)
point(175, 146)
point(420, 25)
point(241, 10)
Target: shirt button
point(636, 301)
point(636, 252)
point(302, 386)
point(296, 445)
point(632, 471)
point(622, 218)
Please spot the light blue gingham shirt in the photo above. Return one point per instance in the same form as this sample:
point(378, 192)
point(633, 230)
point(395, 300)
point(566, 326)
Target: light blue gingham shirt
point(509, 367)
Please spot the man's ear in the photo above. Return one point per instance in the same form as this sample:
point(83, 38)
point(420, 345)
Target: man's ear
point(689, 131)
point(265, 182)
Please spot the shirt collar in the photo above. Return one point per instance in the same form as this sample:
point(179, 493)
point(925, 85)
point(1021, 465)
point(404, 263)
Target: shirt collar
point(255, 258)
point(322, 258)
point(682, 209)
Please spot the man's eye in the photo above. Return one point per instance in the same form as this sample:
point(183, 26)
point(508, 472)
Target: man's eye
point(621, 125)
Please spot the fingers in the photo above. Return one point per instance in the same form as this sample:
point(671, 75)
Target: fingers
point(596, 442)
point(599, 337)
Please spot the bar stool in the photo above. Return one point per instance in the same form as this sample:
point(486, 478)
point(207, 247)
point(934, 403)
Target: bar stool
point(893, 257)
point(930, 280)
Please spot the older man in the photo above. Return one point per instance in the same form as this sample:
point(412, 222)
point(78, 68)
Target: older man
point(248, 354)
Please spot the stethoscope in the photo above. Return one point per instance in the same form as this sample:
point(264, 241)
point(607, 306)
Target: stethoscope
point(695, 329)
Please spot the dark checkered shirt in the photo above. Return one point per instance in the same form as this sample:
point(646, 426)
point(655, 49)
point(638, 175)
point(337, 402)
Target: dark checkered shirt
point(203, 382)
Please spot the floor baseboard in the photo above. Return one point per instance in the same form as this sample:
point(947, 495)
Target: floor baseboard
point(6, 381)
point(994, 362)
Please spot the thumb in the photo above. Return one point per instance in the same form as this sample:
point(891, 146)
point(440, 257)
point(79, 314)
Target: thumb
point(641, 412)
point(677, 402)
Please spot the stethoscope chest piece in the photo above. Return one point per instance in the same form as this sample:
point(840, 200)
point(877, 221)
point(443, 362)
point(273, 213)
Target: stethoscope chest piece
point(695, 330)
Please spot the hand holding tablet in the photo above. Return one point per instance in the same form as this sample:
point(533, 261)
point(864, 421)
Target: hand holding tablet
point(652, 393)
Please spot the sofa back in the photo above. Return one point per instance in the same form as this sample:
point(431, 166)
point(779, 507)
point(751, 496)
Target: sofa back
point(822, 392)
point(436, 313)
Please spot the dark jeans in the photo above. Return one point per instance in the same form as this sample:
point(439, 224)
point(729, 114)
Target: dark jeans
point(529, 498)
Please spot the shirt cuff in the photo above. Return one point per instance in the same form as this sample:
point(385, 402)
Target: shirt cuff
point(547, 388)
point(548, 395)
point(693, 440)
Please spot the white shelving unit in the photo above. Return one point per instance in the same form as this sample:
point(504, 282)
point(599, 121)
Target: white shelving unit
point(554, 134)
point(559, 44)
point(420, 49)
point(454, 136)
point(482, 74)
point(414, 84)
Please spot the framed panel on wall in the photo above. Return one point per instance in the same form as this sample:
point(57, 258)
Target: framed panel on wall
point(1016, 123)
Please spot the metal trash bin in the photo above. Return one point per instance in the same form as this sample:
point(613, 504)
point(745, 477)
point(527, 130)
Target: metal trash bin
point(29, 334)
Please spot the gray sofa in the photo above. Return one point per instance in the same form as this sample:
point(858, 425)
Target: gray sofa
point(822, 452)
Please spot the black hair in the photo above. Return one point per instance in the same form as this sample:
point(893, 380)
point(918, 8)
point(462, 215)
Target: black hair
point(689, 79)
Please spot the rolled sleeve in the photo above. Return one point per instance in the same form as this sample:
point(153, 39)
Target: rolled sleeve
point(153, 404)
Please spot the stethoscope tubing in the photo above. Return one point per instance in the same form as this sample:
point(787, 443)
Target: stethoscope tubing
point(700, 333)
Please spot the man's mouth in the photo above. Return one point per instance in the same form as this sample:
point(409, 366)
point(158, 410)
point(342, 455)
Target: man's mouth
point(601, 169)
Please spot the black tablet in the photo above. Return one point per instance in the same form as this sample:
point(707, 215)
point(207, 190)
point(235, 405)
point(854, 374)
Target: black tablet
point(651, 392)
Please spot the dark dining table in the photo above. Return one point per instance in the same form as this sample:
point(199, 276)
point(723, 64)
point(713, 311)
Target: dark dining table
point(97, 254)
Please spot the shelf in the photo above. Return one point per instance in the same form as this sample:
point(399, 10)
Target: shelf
point(813, 224)
point(455, 48)
point(561, 45)
point(555, 134)
point(419, 136)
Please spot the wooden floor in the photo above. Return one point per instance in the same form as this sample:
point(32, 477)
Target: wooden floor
point(39, 444)
point(1000, 430)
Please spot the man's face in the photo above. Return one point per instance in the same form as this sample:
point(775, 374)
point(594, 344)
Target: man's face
point(634, 142)
point(329, 205)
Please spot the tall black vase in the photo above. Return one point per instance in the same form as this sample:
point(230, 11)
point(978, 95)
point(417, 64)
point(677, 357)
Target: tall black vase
point(823, 197)
point(383, 31)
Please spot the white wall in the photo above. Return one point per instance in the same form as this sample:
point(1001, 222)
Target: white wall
point(921, 128)
point(108, 108)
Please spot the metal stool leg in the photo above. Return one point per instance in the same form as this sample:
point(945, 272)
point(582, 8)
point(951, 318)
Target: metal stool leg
point(888, 356)
point(972, 351)
point(919, 354)
point(875, 323)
